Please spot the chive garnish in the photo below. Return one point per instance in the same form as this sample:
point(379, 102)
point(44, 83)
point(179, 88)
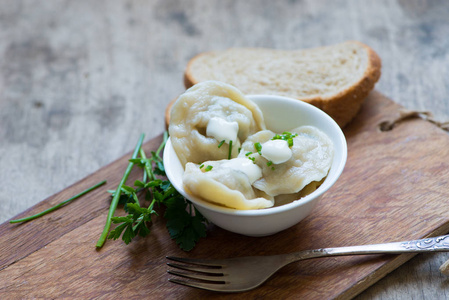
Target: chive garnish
point(286, 136)
point(230, 150)
point(117, 194)
point(202, 165)
point(258, 147)
point(221, 143)
point(58, 205)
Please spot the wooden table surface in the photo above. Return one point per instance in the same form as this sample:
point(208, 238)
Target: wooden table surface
point(80, 80)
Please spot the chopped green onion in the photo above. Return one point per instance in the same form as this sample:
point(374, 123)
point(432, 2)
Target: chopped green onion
point(258, 147)
point(208, 168)
point(269, 163)
point(58, 205)
point(248, 153)
point(221, 143)
point(117, 193)
point(286, 136)
point(230, 150)
point(202, 165)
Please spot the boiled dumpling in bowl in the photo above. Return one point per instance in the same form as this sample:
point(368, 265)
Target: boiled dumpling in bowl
point(210, 121)
point(289, 161)
point(227, 183)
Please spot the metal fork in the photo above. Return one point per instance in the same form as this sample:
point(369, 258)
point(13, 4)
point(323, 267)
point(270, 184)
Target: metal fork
point(245, 273)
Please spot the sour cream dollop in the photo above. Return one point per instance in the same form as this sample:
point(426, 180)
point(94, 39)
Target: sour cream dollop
point(246, 166)
point(276, 151)
point(221, 129)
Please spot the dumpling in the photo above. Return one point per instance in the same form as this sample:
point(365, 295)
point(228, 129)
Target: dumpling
point(289, 198)
point(227, 183)
point(289, 161)
point(207, 114)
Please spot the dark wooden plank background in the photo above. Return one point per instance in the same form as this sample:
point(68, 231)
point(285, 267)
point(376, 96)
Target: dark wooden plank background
point(80, 80)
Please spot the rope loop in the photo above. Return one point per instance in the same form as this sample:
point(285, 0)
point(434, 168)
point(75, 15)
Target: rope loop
point(405, 114)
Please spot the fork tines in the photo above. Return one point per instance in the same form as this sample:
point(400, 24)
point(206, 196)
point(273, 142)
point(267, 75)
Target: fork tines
point(200, 274)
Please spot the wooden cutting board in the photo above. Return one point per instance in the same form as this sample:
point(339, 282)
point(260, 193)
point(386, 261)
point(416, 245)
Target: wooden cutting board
point(393, 188)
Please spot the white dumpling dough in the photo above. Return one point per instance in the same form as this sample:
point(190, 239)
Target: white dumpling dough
point(312, 154)
point(228, 183)
point(206, 101)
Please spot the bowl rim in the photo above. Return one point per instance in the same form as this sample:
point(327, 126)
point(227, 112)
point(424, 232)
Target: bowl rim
point(327, 184)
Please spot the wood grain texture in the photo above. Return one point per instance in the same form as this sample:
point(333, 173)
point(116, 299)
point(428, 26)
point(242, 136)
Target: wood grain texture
point(20, 240)
point(80, 80)
point(363, 207)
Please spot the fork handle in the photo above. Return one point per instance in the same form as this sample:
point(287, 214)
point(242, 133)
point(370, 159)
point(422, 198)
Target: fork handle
point(434, 244)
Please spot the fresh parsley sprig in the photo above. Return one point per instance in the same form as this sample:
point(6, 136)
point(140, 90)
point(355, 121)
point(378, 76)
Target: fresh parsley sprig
point(185, 224)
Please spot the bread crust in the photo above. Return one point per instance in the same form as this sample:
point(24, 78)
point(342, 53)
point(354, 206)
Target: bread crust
point(342, 107)
point(345, 105)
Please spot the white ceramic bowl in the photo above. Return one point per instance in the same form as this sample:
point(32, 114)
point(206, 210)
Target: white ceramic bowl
point(280, 114)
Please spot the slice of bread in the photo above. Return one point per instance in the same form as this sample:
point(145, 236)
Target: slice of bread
point(334, 78)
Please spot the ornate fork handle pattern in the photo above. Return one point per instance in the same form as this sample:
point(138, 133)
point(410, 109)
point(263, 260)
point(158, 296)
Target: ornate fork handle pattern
point(436, 243)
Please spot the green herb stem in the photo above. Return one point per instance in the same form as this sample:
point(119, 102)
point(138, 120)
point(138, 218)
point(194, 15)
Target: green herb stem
point(58, 205)
point(116, 197)
point(162, 145)
point(147, 167)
